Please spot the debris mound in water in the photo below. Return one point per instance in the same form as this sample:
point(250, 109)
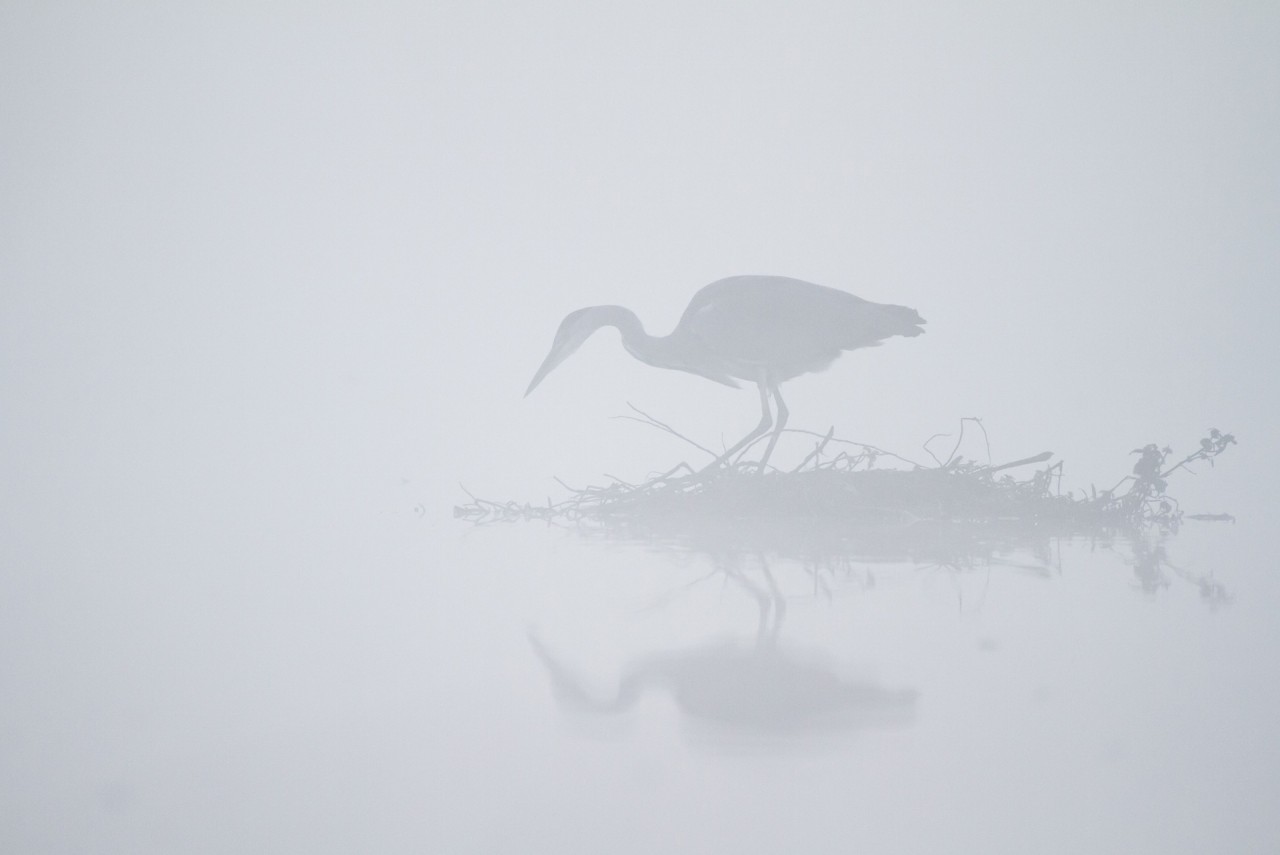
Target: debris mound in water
point(854, 486)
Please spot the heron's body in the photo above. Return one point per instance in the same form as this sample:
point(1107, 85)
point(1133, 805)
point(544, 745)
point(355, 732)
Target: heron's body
point(763, 329)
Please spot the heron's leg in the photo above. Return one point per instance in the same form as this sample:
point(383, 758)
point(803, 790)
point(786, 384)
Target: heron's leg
point(777, 426)
point(775, 596)
point(766, 420)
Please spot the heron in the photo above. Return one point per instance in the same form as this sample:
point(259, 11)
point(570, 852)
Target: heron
point(760, 329)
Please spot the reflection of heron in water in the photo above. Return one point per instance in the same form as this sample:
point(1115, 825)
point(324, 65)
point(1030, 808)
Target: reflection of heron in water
point(763, 329)
point(759, 688)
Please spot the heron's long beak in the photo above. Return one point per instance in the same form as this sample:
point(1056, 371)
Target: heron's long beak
point(554, 358)
point(576, 328)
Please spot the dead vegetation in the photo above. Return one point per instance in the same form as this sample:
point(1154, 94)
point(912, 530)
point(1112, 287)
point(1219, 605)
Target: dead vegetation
point(845, 483)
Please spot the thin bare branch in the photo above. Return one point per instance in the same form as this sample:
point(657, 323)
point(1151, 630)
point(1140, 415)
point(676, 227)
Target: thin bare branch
point(647, 419)
point(817, 449)
point(1039, 458)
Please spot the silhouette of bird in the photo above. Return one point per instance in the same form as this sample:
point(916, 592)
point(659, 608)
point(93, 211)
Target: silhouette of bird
point(762, 686)
point(762, 329)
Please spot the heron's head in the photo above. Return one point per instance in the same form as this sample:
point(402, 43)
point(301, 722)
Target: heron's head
point(576, 328)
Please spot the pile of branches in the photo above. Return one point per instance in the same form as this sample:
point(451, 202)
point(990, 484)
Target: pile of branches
point(854, 483)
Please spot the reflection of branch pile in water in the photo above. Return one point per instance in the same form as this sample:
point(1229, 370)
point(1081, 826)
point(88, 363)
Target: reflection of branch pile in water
point(842, 485)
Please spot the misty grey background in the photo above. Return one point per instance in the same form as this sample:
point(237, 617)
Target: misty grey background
point(273, 279)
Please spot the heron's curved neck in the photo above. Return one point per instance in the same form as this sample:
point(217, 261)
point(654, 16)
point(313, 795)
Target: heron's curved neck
point(650, 349)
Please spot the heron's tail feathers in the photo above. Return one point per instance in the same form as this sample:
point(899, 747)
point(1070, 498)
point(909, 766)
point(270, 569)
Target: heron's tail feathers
point(905, 321)
point(886, 321)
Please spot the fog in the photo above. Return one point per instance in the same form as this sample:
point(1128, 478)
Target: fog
point(274, 280)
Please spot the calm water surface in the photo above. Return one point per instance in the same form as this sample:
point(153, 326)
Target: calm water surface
point(392, 680)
